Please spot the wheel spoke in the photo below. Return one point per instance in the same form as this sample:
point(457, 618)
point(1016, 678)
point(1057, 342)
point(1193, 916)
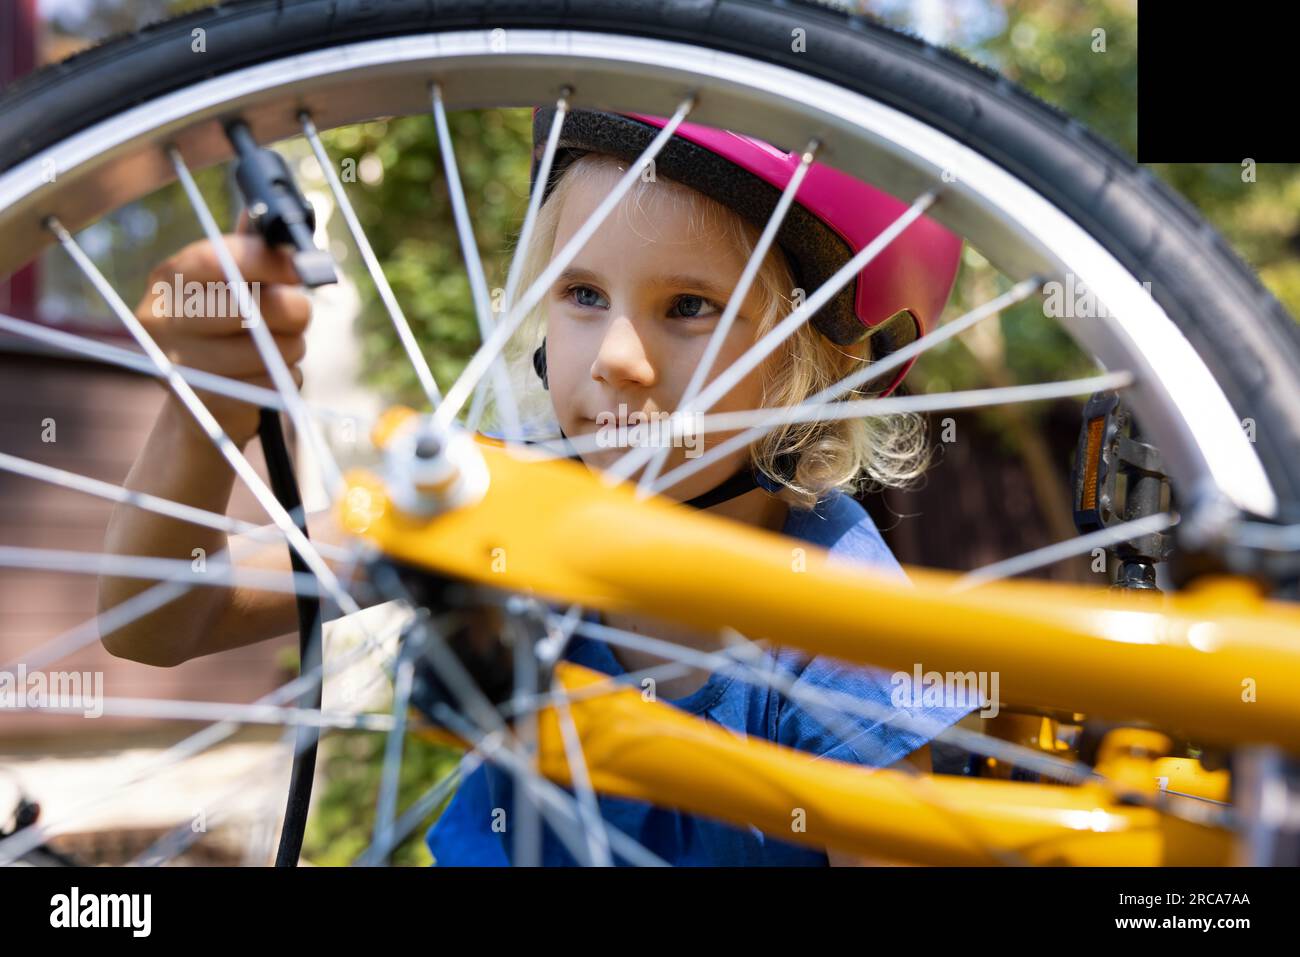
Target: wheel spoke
point(103, 624)
point(768, 418)
point(404, 333)
point(535, 199)
point(610, 684)
point(127, 359)
point(526, 232)
point(506, 406)
point(588, 808)
point(487, 723)
point(158, 569)
point(420, 809)
point(390, 774)
point(527, 833)
point(1059, 551)
point(168, 709)
point(549, 650)
point(927, 402)
point(143, 500)
point(1279, 538)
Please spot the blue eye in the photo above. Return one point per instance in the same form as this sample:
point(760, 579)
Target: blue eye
point(692, 307)
point(585, 296)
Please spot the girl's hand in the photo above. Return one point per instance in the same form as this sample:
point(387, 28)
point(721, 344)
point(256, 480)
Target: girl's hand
point(200, 325)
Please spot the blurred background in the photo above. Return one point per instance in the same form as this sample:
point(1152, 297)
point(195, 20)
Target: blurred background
point(1000, 486)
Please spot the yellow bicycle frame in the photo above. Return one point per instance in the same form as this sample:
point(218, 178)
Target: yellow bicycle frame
point(1218, 665)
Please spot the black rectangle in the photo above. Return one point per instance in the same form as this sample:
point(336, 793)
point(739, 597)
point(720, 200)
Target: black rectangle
point(1215, 82)
point(328, 910)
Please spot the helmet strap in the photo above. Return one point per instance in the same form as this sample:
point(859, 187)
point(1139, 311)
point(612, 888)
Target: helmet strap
point(539, 364)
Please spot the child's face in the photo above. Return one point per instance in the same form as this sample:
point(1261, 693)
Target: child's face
point(630, 318)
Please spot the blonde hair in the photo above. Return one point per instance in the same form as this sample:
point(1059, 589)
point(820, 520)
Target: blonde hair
point(847, 454)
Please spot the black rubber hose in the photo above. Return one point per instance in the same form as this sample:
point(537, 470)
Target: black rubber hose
point(285, 486)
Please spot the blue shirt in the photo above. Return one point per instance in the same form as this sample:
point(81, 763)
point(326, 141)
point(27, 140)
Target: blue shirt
point(463, 834)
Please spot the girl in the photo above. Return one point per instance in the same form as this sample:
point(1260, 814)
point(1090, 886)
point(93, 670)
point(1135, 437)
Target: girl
point(624, 327)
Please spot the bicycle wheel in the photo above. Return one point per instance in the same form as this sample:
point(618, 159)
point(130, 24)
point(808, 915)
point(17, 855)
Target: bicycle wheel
point(1200, 344)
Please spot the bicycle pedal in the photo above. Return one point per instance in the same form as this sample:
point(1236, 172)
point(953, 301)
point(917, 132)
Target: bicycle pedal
point(1117, 478)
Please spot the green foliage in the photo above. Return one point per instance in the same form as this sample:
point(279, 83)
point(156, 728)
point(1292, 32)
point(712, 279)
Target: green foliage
point(343, 815)
point(407, 214)
point(1054, 50)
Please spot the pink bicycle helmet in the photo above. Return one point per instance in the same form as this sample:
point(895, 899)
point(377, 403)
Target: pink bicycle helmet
point(892, 301)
